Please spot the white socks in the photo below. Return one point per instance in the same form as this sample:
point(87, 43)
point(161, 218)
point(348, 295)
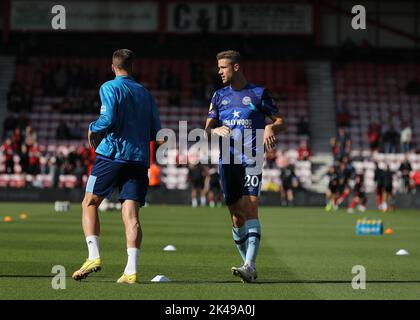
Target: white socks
point(203, 201)
point(133, 254)
point(194, 203)
point(93, 247)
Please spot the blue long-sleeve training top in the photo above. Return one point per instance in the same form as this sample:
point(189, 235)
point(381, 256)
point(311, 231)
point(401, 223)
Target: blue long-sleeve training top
point(130, 120)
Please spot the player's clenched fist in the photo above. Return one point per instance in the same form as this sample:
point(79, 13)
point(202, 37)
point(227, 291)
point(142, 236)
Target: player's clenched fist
point(222, 131)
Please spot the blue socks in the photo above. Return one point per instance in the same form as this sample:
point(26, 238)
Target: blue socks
point(247, 239)
point(254, 237)
point(240, 240)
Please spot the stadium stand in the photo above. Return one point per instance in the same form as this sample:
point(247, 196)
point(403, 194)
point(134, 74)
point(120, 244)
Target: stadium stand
point(378, 93)
point(378, 96)
point(61, 98)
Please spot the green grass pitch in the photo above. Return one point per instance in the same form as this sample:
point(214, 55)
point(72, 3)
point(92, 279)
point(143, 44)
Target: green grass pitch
point(305, 253)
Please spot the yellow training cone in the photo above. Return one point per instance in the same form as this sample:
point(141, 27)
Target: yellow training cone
point(23, 216)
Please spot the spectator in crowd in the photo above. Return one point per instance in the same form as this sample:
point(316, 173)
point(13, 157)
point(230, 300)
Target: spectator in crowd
point(343, 143)
point(34, 160)
point(46, 165)
point(8, 151)
point(304, 152)
point(390, 139)
point(24, 158)
point(72, 157)
point(282, 161)
point(334, 148)
point(23, 143)
point(347, 148)
point(405, 169)
point(16, 140)
point(30, 135)
point(78, 172)
point(406, 138)
point(58, 169)
point(270, 159)
point(374, 136)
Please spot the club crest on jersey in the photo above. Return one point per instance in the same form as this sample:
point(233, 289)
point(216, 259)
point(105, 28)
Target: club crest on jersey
point(225, 102)
point(246, 100)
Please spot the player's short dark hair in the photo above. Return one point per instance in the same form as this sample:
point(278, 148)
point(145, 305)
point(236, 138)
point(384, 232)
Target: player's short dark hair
point(123, 59)
point(232, 55)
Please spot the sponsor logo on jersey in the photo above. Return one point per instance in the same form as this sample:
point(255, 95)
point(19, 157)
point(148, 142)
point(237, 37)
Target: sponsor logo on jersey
point(246, 123)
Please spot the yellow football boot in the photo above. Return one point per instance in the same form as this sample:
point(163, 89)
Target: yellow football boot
point(130, 279)
point(89, 266)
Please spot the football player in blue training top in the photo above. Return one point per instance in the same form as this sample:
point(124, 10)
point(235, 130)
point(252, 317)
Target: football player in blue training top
point(238, 114)
point(128, 121)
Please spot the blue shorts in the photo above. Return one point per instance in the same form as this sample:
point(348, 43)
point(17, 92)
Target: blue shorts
point(238, 181)
point(132, 180)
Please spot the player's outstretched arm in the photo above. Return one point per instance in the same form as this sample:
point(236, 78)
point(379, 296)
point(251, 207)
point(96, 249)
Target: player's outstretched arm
point(271, 130)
